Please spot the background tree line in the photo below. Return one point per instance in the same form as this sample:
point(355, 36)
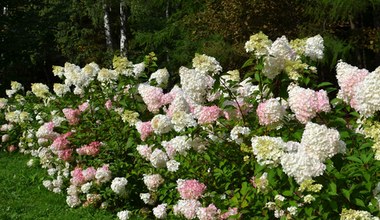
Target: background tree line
point(36, 34)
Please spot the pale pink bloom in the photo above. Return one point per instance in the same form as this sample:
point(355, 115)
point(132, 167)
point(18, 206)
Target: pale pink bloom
point(190, 189)
point(151, 96)
point(323, 104)
point(270, 112)
point(145, 151)
point(187, 208)
point(46, 131)
point(208, 213)
point(348, 77)
point(103, 174)
point(71, 115)
point(5, 138)
point(89, 173)
point(61, 142)
point(306, 103)
point(84, 106)
point(145, 129)
point(77, 178)
point(230, 212)
point(153, 181)
point(91, 149)
point(12, 148)
point(167, 99)
point(108, 104)
point(208, 114)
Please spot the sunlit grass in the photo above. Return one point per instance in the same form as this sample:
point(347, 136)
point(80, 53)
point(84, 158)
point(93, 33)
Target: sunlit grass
point(22, 195)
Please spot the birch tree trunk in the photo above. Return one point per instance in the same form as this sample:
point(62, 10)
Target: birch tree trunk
point(123, 34)
point(107, 27)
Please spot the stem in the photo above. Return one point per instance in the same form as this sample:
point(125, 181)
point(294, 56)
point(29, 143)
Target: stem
point(235, 99)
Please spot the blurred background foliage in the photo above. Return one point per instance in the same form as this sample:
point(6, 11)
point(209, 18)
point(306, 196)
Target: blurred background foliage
point(36, 34)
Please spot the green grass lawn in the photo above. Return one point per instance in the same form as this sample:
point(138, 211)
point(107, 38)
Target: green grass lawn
point(22, 195)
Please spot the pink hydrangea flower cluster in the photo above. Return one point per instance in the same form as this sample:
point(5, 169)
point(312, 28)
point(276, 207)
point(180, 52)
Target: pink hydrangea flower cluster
point(108, 104)
point(91, 149)
point(208, 213)
point(71, 115)
point(348, 77)
point(46, 131)
point(207, 114)
point(230, 212)
point(103, 174)
point(190, 189)
point(306, 103)
point(270, 112)
point(187, 208)
point(77, 178)
point(84, 106)
point(65, 154)
point(151, 96)
point(145, 151)
point(61, 142)
point(145, 129)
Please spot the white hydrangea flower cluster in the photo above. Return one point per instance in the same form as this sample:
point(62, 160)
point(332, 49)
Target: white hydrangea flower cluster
point(15, 87)
point(187, 208)
point(349, 214)
point(206, 64)
point(259, 44)
point(78, 77)
point(161, 124)
point(147, 198)
point(321, 141)
point(268, 150)
point(367, 94)
point(179, 144)
point(318, 144)
point(304, 160)
point(281, 54)
point(60, 89)
point(118, 185)
point(237, 132)
point(172, 165)
point(301, 165)
point(158, 158)
point(160, 211)
point(314, 47)
point(153, 181)
point(182, 120)
point(161, 77)
point(195, 84)
point(123, 215)
point(107, 76)
point(40, 90)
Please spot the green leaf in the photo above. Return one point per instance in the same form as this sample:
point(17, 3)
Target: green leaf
point(287, 193)
point(247, 63)
point(359, 202)
point(346, 194)
point(355, 159)
point(332, 187)
point(324, 84)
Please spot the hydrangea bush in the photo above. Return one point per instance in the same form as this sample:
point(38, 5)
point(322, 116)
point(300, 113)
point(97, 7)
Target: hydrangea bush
point(261, 142)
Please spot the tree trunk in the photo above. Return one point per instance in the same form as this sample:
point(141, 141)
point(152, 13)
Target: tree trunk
point(107, 27)
point(123, 34)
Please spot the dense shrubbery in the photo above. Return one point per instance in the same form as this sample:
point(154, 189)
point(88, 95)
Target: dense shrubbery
point(261, 142)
